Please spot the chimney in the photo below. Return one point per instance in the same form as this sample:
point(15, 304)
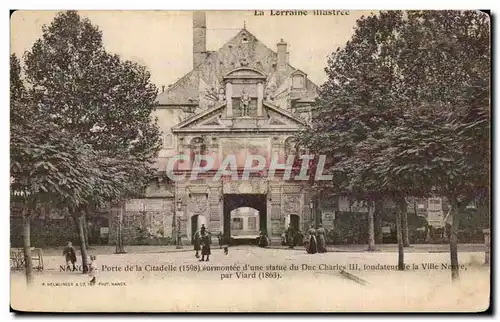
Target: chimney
point(199, 37)
point(282, 55)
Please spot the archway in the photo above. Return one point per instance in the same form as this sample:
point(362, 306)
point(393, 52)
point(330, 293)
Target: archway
point(196, 222)
point(256, 202)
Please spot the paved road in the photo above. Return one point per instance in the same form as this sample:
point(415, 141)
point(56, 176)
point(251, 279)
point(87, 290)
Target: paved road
point(283, 281)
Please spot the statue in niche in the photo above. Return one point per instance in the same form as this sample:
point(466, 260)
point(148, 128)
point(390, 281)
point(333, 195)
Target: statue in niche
point(222, 95)
point(269, 94)
point(245, 103)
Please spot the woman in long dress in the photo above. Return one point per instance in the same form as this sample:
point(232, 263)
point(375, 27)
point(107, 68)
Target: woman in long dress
point(205, 241)
point(321, 237)
point(312, 245)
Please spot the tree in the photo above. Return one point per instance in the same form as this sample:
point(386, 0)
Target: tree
point(353, 104)
point(48, 167)
point(104, 101)
point(411, 90)
point(446, 65)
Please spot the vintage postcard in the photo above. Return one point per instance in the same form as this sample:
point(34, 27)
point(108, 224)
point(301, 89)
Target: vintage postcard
point(250, 161)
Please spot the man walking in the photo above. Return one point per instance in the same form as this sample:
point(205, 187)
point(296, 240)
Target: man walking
point(205, 241)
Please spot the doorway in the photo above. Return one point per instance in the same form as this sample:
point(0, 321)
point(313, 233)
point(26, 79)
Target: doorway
point(295, 222)
point(235, 201)
point(194, 226)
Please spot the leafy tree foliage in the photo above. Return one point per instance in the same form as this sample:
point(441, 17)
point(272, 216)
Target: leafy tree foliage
point(405, 109)
point(92, 141)
point(107, 102)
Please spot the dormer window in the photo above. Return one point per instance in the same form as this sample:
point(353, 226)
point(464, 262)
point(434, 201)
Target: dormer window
point(298, 81)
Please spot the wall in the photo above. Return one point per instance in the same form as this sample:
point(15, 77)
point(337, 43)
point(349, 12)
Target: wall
point(44, 232)
point(145, 221)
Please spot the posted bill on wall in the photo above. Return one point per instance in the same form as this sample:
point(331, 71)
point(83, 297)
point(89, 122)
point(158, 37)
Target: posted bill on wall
point(250, 161)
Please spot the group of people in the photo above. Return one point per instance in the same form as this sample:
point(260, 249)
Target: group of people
point(201, 241)
point(314, 239)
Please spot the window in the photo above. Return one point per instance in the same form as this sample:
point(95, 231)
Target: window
point(298, 81)
point(252, 223)
point(168, 141)
point(237, 224)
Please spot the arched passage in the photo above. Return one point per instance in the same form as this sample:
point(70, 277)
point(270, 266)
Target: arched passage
point(233, 202)
point(195, 224)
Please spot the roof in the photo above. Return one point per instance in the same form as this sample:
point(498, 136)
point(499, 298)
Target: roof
point(235, 53)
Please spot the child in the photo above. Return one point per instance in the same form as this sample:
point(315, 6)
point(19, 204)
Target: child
point(92, 269)
point(70, 256)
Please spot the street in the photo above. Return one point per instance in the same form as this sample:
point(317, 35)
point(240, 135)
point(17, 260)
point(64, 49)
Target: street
point(256, 279)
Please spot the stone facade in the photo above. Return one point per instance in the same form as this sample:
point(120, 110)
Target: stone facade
point(243, 99)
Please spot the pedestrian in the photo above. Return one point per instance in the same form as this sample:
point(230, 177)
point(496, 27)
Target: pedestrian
point(205, 242)
point(196, 244)
point(311, 246)
point(263, 239)
point(219, 239)
point(70, 256)
point(299, 237)
point(93, 269)
point(321, 238)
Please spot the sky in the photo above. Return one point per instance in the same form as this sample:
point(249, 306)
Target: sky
point(162, 40)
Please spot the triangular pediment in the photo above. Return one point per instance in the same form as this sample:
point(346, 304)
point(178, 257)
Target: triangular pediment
point(276, 121)
point(214, 121)
point(273, 119)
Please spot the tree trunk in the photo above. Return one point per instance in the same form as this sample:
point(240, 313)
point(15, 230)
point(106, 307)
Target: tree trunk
point(28, 264)
point(404, 219)
point(371, 227)
point(86, 231)
point(83, 248)
point(378, 222)
point(399, 232)
point(119, 236)
point(454, 239)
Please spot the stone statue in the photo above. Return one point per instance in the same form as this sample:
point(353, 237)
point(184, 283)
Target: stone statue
point(269, 94)
point(222, 95)
point(245, 103)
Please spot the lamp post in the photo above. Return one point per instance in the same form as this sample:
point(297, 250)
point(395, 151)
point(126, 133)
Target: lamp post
point(178, 242)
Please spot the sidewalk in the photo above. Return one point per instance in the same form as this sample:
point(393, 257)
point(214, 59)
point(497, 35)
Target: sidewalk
point(383, 248)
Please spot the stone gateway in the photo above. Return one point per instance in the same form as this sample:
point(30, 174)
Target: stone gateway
point(242, 99)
